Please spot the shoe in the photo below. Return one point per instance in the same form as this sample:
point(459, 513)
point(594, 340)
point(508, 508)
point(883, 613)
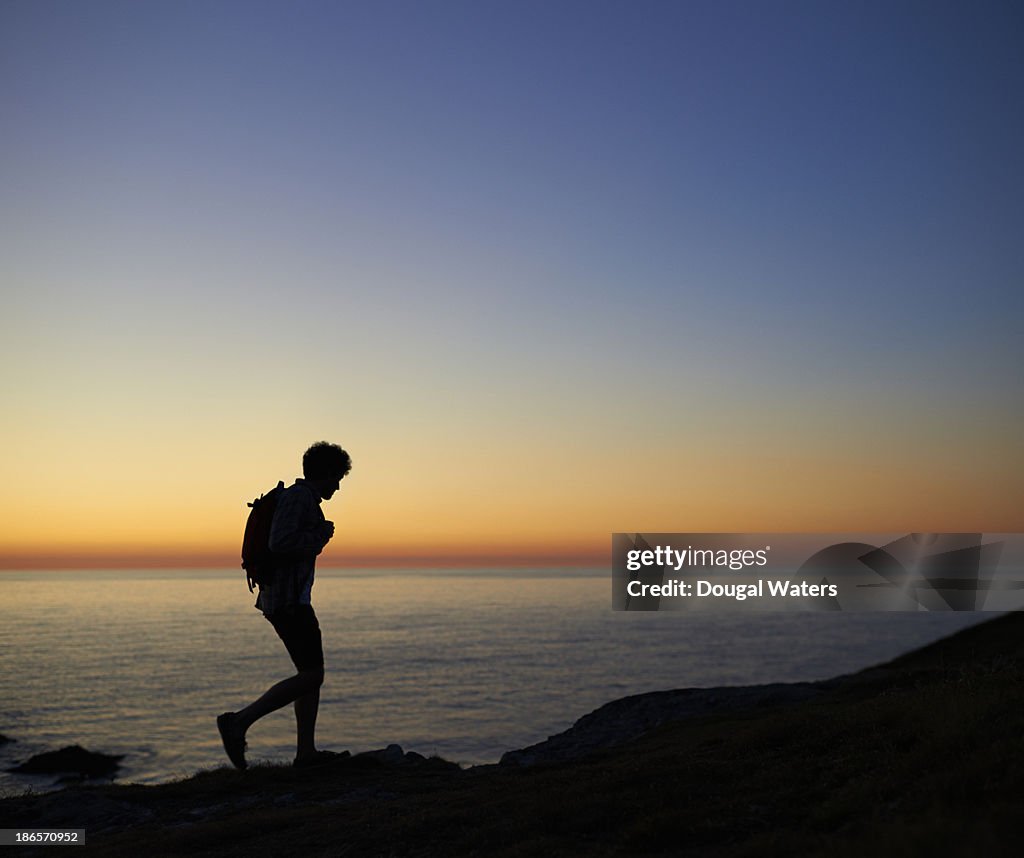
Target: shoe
point(320, 758)
point(234, 742)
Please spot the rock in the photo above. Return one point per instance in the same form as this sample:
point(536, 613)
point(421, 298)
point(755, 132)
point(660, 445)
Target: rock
point(5, 739)
point(629, 718)
point(73, 759)
point(393, 755)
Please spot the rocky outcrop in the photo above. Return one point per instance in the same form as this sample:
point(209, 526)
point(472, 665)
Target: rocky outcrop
point(370, 776)
point(72, 760)
point(629, 718)
point(393, 755)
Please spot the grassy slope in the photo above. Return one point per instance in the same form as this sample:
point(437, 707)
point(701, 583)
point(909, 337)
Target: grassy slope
point(922, 756)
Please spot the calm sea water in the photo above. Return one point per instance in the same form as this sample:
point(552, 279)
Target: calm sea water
point(462, 664)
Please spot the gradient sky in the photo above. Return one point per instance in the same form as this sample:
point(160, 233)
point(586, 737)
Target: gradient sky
point(548, 270)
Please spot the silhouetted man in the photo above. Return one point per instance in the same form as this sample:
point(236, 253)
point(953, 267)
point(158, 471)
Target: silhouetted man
point(298, 534)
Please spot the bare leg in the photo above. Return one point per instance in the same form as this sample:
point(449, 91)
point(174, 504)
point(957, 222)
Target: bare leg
point(303, 684)
point(306, 708)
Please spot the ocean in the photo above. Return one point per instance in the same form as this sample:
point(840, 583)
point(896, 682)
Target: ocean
point(465, 664)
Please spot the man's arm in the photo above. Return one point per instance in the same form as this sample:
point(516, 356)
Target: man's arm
point(288, 532)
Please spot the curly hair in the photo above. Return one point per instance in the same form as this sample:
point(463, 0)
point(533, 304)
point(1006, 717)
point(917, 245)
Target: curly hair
point(325, 460)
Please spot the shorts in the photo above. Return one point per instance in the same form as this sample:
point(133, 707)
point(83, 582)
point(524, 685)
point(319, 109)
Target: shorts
point(297, 626)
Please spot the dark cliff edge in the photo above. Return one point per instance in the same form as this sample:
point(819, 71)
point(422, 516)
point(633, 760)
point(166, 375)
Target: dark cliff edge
point(921, 755)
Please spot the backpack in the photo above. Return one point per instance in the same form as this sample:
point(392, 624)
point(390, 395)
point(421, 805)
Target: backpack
point(258, 560)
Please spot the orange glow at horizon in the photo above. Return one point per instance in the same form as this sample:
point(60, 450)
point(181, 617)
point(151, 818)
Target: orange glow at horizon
point(406, 557)
point(521, 522)
point(505, 493)
point(538, 534)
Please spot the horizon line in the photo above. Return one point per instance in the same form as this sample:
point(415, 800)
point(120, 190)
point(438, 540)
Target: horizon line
point(86, 560)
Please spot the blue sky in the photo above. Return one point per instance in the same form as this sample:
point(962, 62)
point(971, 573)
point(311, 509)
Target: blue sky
point(634, 226)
